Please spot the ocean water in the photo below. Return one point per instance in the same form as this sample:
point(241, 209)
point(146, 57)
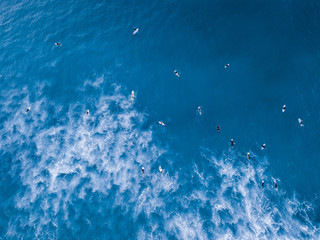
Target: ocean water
point(68, 175)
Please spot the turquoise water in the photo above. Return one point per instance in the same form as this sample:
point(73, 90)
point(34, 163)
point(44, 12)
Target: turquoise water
point(68, 175)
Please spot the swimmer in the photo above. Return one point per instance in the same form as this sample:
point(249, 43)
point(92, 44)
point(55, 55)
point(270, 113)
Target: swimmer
point(58, 44)
point(135, 31)
point(248, 156)
point(275, 185)
point(161, 170)
point(227, 65)
point(199, 110)
point(142, 170)
point(263, 146)
point(161, 123)
point(132, 96)
point(284, 108)
point(262, 184)
point(28, 109)
point(88, 112)
point(300, 122)
point(218, 129)
point(176, 73)
point(232, 143)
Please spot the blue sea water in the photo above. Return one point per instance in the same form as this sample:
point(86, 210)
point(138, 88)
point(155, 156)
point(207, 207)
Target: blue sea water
point(68, 175)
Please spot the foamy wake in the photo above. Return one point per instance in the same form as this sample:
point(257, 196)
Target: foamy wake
point(63, 158)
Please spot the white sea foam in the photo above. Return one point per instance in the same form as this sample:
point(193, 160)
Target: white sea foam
point(81, 157)
point(187, 226)
point(58, 164)
point(242, 210)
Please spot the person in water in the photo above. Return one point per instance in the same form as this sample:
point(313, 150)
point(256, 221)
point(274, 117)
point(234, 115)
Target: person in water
point(232, 143)
point(88, 112)
point(142, 170)
point(262, 184)
point(135, 31)
point(161, 123)
point(199, 110)
point(263, 146)
point(218, 129)
point(132, 95)
point(248, 155)
point(275, 185)
point(28, 109)
point(284, 108)
point(160, 169)
point(227, 65)
point(300, 122)
point(58, 44)
point(176, 73)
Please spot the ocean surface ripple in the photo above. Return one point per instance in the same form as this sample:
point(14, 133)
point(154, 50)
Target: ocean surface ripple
point(69, 174)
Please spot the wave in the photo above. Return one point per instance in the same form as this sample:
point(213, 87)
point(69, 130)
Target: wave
point(61, 155)
point(77, 175)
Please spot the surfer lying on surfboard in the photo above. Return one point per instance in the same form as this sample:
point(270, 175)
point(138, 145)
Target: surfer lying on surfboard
point(135, 31)
point(161, 123)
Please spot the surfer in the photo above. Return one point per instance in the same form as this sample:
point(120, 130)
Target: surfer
point(28, 109)
point(275, 185)
point(176, 73)
point(58, 44)
point(161, 170)
point(88, 112)
point(262, 184)
point(142, 170)
point(232, 143)
point(218, 129)
point(248, 156)
point(284, 108)
point(132, 95)
point(263, 146)
point(135, 31)
point(227, 65)
point(199, 110)
point(300, 122)
point(161, 123)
